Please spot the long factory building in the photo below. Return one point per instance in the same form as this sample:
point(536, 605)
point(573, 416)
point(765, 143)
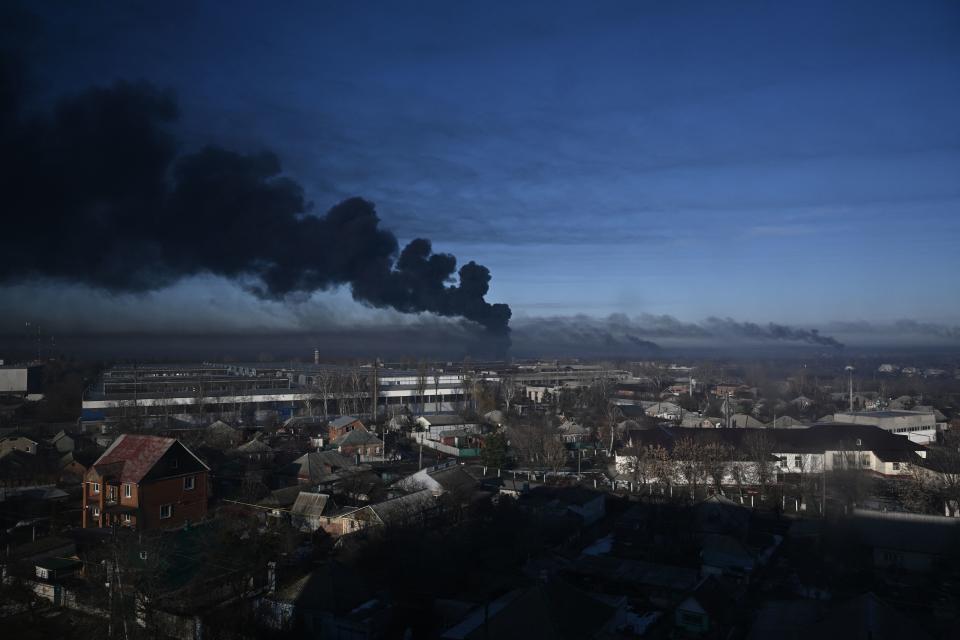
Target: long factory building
point(200, 392)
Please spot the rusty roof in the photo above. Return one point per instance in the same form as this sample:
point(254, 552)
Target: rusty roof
point(131, 457)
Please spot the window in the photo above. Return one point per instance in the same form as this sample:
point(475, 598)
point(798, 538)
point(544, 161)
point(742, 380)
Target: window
point(838, 460)
point(127, 491)
point(113, 493)
point(174, 464)
point(189, 483)
point(96, 512)
point(166, 511)
point(96, 487)
point(864, 459)
point(797, 462)
point(127, 518)
point(896, 466)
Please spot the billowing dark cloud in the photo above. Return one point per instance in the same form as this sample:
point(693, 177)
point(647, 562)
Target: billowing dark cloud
point(97, 192)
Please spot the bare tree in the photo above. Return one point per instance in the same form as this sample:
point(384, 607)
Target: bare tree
point(933, 484)
point(508, 388)
point(357, 391)
point(341, 392)
point(658, 375)
point(810, 468)
point(849, 478)
point(759, 450)
point(421, 384)
point(943, 463)
point(717, 457)
point(554, 452)
point(527, 440)
point(742, 474)
point(689, 457)
point(322, 382)
point(609, 429)
point(641, 465)
point(661, 465)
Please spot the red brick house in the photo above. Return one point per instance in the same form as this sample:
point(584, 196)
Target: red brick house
point(359, 442)
point(342, 426)
point(145, 482)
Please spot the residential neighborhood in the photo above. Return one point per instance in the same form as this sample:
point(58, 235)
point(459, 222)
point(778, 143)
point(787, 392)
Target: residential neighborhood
point(654, 513)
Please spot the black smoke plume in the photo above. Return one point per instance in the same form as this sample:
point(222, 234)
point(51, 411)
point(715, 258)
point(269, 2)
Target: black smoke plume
point(770, 331)
point(97, 192)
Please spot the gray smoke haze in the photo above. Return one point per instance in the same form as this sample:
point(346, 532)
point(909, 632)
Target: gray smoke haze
point(621, 335)
point(340, 328)
point(902, 331)
point(727, 327)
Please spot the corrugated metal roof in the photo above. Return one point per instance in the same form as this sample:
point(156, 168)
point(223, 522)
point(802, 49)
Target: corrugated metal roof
point(310, 504)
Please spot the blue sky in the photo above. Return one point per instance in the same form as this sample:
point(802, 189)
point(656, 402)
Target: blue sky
point(787, 162)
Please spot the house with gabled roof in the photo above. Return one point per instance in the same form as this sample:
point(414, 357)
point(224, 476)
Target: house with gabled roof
point(310, 510)
point(442, 480)
point(63, 442)
point(145, 482)
point(316, 466)
point(341, 426)
point(704, 610)
point(411, 508)
point(18, 442)
point(255, 451)
point(359, 442)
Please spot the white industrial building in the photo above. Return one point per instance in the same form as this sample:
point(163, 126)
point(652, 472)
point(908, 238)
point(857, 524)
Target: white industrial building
point(22, 380)
point(918, 426)
point(257, 391)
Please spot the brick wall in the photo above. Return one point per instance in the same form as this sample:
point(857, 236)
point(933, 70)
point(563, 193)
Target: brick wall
point(187, 504)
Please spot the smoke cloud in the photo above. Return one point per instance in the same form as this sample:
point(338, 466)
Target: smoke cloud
point(620, 334)
point(771, 331)
point(930, 329)
point(97, 192)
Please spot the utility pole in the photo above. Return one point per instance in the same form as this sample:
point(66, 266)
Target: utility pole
point(849, 369)
point(136, 412)
point(727, 412)
point(29, 326)
point(116, 568)
point(374, 392)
